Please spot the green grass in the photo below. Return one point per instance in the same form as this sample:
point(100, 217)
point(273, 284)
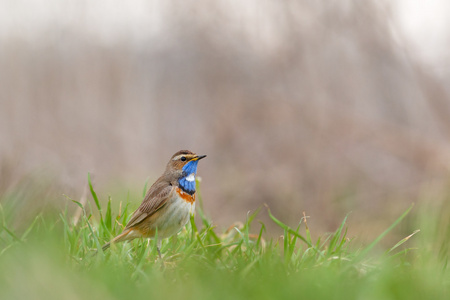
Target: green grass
point(54, 258)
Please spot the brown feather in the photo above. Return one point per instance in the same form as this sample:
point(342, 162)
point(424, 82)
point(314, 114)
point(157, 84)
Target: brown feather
point(155, 199)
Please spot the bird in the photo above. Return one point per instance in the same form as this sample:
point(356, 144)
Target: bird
point(168, 204)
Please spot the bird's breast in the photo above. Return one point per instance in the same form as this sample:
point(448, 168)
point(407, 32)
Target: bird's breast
point(174, 215)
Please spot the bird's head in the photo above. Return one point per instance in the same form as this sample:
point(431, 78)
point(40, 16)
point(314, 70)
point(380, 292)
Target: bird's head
point(183, 165)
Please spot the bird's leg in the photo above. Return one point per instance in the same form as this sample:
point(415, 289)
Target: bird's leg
point(158, 248)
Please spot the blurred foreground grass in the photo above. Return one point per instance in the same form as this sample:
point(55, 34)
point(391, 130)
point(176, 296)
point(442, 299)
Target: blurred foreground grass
point(53, 258)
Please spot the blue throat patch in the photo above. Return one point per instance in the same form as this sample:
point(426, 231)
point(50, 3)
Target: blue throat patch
point(187, 182)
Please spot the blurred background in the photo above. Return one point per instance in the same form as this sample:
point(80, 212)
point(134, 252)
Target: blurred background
point(327, 107)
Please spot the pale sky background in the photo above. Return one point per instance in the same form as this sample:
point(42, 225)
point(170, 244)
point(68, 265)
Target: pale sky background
point(423, 25)
point(426, 27)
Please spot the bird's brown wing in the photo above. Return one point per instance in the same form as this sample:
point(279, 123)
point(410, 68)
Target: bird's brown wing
point(156, 198)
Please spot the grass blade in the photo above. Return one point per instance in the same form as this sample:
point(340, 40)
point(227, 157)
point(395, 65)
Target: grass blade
point(334, 240)
point(288, 229)
point(381, 236)
point(25, 234)
point(144, 191)
point(108, 216)
point(403, 241)
point(94, 195)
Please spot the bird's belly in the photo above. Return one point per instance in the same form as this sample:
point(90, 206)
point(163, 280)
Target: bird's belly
point(175, 215)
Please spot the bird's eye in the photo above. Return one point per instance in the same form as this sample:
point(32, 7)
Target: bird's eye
point(183, 158)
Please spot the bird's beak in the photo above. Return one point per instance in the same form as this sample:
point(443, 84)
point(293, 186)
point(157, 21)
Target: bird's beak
point(198, 157)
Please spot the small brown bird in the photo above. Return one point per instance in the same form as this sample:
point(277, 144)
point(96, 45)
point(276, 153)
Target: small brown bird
point(168, 203)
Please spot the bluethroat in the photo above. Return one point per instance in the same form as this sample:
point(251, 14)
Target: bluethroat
point(168, 204)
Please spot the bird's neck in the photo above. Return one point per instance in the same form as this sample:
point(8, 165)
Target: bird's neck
point(187, 181)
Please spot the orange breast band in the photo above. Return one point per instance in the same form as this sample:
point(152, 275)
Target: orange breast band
point(185, 196)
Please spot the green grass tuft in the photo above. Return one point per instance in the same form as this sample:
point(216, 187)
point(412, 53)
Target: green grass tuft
point(54, 258)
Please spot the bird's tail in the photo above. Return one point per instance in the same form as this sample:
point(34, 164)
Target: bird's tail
point(106, 246)
point(120, 238)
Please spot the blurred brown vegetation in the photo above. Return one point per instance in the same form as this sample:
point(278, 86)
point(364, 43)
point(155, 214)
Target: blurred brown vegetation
point(304, 105)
